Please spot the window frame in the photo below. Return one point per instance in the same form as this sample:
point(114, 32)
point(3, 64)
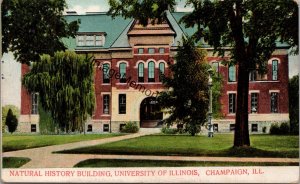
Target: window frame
point(106, 104)
point(33, 128)
point(151, 50)
point(141, 49)
point(274, 97)
point(161, 70)
point(231, 127)
point(105, 127)
point(106, 77)
point(89, 128)
point(232, 73)
point(122, 73)
point(254, 102)
point(232, 101)
point(253, 129)
point(141, 73)
point(161, 50)
point(151, 71)
point(275, 69)
point(122, 103)
point(34, 103)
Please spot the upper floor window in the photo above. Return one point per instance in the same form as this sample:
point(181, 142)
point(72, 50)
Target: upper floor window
point(231, 104)
point(254, 75)
point(275, 70)
point(34, 103)
point(122, 68)
point(254, 102)
point(141, 50)
point(231, 74)
point(106, 78)
point(90, 40)
point(274, 102)
point(141, 72)
point(161, 70)
point(151, 68)
point(151, 50)
point(161, 50)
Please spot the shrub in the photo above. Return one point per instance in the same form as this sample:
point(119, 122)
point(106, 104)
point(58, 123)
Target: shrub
point(15, 111)
point(11, 121)
point(168, 130)
point(279, 130)
point(130, 127)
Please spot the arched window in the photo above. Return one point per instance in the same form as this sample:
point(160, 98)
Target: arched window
point(141, 72)
point(161, 70)
point(122, 68)
point(106, 73)
point(151, 72)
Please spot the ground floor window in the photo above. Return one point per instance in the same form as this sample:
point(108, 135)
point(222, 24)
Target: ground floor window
point(122, 103)
point(216, 127)
point(231, 127)
point(90, 128)
point(33, 128)
point(254, 128)
point(231, 104)
point(105, 127)
point(34, 103)
point(274, 102)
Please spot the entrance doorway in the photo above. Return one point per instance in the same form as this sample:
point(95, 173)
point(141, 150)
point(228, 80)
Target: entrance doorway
point(150, 113)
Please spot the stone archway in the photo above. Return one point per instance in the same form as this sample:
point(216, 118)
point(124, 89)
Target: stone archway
point(150, 113)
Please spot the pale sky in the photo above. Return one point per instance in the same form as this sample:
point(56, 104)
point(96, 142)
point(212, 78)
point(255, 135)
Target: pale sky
point(82, 6)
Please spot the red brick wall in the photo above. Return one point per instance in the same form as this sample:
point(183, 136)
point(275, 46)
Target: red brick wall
point(25, 96)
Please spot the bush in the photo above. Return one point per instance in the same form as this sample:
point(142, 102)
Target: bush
point(5, 109)
point(11, 121)
point(168, 130)
point(279, 130)
point(130, 127)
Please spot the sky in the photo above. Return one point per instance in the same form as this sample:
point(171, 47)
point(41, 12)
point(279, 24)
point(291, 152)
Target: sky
point(82, 6)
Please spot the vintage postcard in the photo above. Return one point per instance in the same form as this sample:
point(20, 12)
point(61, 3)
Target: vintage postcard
point(115, 91)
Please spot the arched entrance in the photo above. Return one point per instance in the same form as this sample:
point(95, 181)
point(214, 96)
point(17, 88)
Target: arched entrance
point(150, 113)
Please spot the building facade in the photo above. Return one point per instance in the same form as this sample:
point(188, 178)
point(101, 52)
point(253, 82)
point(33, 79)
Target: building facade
point(129, 60)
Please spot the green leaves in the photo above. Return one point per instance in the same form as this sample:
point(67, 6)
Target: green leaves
point(65, 86)
point(34, 27)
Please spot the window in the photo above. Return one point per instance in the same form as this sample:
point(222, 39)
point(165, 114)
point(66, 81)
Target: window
point(90, 40)
point(216, 127)
point(215, 66)
point(274, 102)
point(34, 103)
point(90, 128)
point(254, 127)
point(141, 72)
point(151, 50)
point(151, 72)
point(105, 127)
point(232, 98)
point(123, 72)
point(161, 70)
point(231, 127)
point(254, 102)
point(33, 128)
point(140, 50)
point(231, 74)
point(122, 104)
point(105, 104)
point(122, 127)
point(274, 70)
point(161, 50)
point(254, 75)
point(106, 78)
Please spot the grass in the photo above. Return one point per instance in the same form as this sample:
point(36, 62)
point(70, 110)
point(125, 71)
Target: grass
point(220, 145)
point(19, 142)
point(162, 163)
point(14, 162)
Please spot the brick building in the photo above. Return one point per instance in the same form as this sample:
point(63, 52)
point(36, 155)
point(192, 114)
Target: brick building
point(129, 59)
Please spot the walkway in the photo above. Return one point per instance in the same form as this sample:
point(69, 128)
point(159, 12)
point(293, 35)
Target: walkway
point(44, 158)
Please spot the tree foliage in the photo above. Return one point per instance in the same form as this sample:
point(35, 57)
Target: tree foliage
point(65, 86)
point(34, 27)
point(11, 121)
point(187, 99)
point(294, 104)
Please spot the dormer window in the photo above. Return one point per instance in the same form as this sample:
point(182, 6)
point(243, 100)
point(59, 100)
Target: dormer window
point(90, 40)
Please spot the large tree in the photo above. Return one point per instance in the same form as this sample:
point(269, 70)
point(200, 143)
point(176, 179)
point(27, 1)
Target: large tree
point(65, 83)
point(294, 104)
point(249, 27)
point(34, 27)
point(187, 99)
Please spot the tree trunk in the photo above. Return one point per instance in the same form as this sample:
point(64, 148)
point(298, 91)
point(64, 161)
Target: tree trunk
point(241, 133)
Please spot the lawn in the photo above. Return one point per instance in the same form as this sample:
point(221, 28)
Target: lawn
point(220, 145)
point(14, 162)
point(162, 163)
point(19, 142)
